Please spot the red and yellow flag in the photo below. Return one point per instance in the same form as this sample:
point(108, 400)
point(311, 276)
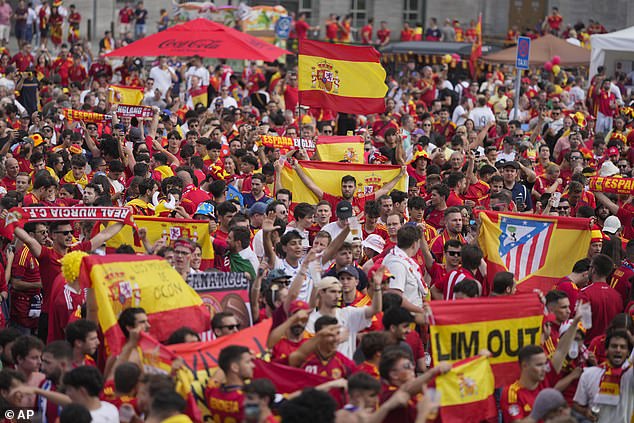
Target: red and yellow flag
point(339, 148)
point(503, 325)
point(126, 95)
point(201, 359)
point(476, 48)
point(170, 229)
point(121, 281)
point(199, 95)
point(342, 78)
point(524, 244)
point(467, 392)
point(327, 176)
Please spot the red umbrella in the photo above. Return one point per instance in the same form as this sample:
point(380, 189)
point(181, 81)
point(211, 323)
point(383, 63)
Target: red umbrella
point(201, 37)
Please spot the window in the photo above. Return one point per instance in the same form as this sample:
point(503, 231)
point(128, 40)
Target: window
point(359, 11)
point(412, 11)
point(306, 6)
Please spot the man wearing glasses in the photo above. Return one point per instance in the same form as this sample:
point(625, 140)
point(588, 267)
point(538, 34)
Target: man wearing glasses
point(224, 323)
point(61, 235)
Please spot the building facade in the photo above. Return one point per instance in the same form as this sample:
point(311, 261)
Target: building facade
point(497, 15)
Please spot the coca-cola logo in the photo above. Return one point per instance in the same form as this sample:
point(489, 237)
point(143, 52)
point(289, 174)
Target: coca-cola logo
point(190, 44)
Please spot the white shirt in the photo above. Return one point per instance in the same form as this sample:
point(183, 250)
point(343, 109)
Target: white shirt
point(481, 116)
point(588, 388)
point(507, 157)
point(200, 72)
point(577, 94)
point(227, 102)
point(333, 229)
point(457, 117)
point(407, 276)
point(573, 41)
point(107, 413)
point(307, 286)
point(162, 79)
point(351, 318)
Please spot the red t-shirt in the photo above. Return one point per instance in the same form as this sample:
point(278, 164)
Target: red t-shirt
point(192, 197)
point(109, 395)
point(401, 414)
point(621, 280)
point(605, 302)
point(597, 347)
point(50, 268)
point(283, 350)
point(366, 34)
point(225, 403)
point(8, 183)
point(517, 402)
point(26, 268)
point(358, 203)
point(382, 35)
point(301, 29)
point(369, 368)
point(64, 305)
point(570, 288)
point(625, 214)
point(336, 367)
point(331, 31)
point(435, 218)
point(447, 285)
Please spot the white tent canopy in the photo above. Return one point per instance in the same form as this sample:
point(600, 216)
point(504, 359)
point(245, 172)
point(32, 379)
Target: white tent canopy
point(610, 48)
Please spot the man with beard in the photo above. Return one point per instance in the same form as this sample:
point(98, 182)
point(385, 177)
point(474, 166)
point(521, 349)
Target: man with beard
point(604, 392)
point(288, 336)
point(57, 359)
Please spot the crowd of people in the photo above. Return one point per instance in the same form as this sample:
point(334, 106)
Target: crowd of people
point(347, 279)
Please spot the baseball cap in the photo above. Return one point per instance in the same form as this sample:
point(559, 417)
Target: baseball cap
point(344, 210)
point(296, 306)
point(327, 282)
point(612, 151)
point(277, 274)
point(119, 126)
point(351, 270)
point(515, 165)
point(547, 400)
point(374, 242)
point(611, 225)
point(257, 208)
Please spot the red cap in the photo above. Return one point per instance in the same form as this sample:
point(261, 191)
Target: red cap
point(613, 151)
point(297, 305)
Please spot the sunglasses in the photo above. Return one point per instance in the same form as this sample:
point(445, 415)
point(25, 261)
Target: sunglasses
point(453, 253)
point(63, 232)
point(231, 327)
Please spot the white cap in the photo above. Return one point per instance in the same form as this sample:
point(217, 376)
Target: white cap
point(611, 225)
point(374, 242)
point(608, 169)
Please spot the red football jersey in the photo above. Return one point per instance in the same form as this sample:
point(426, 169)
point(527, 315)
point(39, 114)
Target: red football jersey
point(335, 367)
point(225, 403)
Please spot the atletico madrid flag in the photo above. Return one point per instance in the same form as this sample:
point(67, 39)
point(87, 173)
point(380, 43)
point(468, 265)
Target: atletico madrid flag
point(537, 249)
point(342, 78)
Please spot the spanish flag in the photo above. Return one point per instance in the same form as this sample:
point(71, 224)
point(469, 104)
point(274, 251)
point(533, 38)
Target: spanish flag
point(199, 95)
point(524, 244)
point(169, 229)
point(120, 94)
point(342, 78)
point(120, 281)
point(340, 149)
point(467, 392)
point(327, 176)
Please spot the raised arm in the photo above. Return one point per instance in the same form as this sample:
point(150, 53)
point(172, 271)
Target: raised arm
point(603, 199)
point(29, 241)
point(306, 180)
point(391, 184)
point(269, 249)
point(335, 244)
point(377, 298)
point(565, 341)
point(103, 236)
